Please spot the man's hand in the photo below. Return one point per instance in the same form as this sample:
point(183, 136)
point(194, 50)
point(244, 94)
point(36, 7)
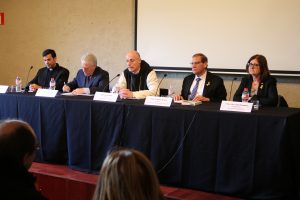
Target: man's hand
point(201, 98)
point(66, 88)
point(125, 94)
point(177, 98)
point(34, 87)
point(78, 91)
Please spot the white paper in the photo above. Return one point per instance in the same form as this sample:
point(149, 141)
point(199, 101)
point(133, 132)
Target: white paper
point(188, 102)
point(72, 94)
point(158, 101)
point(67, 94)
point(236, 106)
point(46, 93)
point(3, 89)
point(104, 96)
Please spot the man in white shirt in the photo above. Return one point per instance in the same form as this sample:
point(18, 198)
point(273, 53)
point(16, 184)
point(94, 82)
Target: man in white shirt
point(139, 80)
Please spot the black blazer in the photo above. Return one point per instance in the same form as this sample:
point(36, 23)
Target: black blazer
point(267, 91)
point(43, 76)
point(214, 88)
point(98, 82)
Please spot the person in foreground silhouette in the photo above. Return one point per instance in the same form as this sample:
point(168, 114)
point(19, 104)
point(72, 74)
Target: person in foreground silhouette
point(127, 174)
point(17, 151)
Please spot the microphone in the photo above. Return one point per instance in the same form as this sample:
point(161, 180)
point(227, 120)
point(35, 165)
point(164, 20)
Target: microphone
point(160, 83)
point(231, 87)
point(110, 82)
point(26, 89)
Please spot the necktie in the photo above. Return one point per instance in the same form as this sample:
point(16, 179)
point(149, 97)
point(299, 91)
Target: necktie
point(87, 81)
point(194, 91)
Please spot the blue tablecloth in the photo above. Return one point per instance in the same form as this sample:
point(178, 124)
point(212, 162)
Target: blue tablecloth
point(251, 155)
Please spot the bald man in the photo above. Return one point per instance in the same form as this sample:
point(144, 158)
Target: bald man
point(139, 80)
point(17, 151)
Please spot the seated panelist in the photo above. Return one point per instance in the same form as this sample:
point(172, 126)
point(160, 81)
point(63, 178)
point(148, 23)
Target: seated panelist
point(139, 80)
point(51, 70)
point(202, 85)
point(89, 79)
point(260, 84)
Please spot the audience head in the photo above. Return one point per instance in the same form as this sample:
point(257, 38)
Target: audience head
point(257, 66)
point(49, 57)
point(88, 63)
point(133, 60)
point(17, 143)
point(127, 174)
point(199, 64)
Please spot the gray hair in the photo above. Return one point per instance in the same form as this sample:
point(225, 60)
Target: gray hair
point(89, 58)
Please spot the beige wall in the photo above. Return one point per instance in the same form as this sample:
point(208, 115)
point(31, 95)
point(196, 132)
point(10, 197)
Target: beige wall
point(104, 27)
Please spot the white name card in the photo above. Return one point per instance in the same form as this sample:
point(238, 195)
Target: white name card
point(158, 101)
point(236, 106)
point(104, 96)
point(46, 93)
point(3, 89)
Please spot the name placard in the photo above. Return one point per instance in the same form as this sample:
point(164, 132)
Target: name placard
point(236, 106)
point(3, 89)
point(158, 101)
point(46, 93)
point(104, 96)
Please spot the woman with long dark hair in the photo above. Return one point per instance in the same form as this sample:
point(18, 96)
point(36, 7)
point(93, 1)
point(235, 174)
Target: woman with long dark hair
point(260, 84)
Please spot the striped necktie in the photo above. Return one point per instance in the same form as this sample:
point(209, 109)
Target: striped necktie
point(194, 91)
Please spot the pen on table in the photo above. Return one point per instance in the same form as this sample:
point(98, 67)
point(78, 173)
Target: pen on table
point(64, 86)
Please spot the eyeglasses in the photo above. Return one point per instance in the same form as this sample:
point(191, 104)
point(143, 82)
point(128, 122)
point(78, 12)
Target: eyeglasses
point(195, 63)
point(130, 60)
point(37, 147)
point(253, 65)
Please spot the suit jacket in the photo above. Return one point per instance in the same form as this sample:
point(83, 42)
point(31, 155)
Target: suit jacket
point(267, 91)
point(214, 88)
point(98, 81)
point(43, 76)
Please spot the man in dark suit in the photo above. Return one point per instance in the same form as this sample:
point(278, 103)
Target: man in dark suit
point(89, 79)
point(51, 70)
point(202, 85)
point(17, 151)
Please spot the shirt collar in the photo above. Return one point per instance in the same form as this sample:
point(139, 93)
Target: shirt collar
point(202, 77)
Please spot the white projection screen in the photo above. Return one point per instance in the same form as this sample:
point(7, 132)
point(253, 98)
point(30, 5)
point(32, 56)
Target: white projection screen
point(228, 32)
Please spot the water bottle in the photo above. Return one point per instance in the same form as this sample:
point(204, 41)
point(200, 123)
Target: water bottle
point(18, 84)
point(245, 95)
point(52, 84)
point(171, 91)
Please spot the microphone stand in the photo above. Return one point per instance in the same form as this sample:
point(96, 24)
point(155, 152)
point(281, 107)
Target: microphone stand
point(159, 84)
point(110, 82)
point(231, 87)
point(26, 89)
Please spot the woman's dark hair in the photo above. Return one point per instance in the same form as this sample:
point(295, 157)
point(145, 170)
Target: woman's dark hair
point(263, 65)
